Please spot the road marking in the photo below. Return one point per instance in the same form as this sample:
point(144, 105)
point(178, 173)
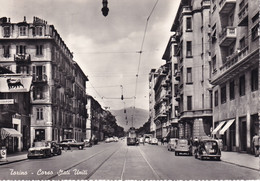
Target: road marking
point(154, 172)
point(81, 161)
point(123, 171)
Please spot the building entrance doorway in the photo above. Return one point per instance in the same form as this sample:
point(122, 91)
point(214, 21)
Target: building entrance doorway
point(243, 133)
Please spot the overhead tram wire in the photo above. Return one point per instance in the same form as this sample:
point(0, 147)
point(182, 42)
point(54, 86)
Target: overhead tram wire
point(140, 55)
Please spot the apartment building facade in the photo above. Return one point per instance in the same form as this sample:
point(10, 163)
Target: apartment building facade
point(152, 76)
point(235, 72)
point(193, 91)
point(57, 94)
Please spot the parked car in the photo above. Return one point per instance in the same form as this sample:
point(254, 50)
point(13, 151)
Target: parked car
point(68, 143)
point(154, 141)
point(55, 148)
point(107, 140)
point(141, 140)
point(172, 144)
point(40, 149)
point(208, 148)
point(183, 146)
point(87, 143)
point(115, 138)
point(147, 140)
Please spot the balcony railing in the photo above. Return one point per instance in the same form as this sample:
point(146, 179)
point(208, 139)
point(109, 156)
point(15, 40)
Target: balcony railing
point(243, 15)
point(40, 78)
point(22, 58)
point(227, 36)
point(177, 76)
point(226, 6)
point(234, 58)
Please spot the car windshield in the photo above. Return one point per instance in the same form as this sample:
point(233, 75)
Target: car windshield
point(210, 144)
point(172, 141)
point(40, 144)
point(183, 142)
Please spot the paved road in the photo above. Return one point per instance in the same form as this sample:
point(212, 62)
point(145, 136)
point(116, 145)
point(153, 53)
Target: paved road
point(118, 161)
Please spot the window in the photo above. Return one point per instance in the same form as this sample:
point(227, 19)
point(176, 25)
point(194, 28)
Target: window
point(6, 51)
point(39, 113)
point(38, 30)
point(188, 24)
point(189, 103)
point(216, 98)
point(189, 75)
point(232, 90)
point(39, 73)
point(38, 93)
point(214, 64)
point(254, 32)
point(223, 94)
point(39, 134)
point(242, 85)
point(6, 31)
point(39, 49)
point(189, 49)
point(254, 80)
point(22, 31)
point(242, 43)
point(21, 49)
point(21, 69)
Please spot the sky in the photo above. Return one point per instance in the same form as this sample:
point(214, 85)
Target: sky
point(106, 48)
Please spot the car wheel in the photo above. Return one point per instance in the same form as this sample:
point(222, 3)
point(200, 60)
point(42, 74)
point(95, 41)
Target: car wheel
point(29, 157)
point(176, 153)
point(80, 147)
point(59, 152)
point(196, 156)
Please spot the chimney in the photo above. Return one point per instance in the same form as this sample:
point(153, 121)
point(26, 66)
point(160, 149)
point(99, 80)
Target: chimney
point(24, 18)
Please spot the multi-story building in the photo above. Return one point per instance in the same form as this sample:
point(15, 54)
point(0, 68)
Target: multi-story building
point(161, 101)
point(235, 72)
point(191, 27)
point(172, 83)
point(152, 76)
point(57, 104)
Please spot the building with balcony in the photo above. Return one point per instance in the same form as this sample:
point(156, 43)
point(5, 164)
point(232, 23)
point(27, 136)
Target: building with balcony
point(57, 95)
point(152, 76)
point(191, 70)
point(172, 105)
point(235, 72)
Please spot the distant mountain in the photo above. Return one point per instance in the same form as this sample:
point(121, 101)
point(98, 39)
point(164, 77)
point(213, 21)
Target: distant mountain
point(141, 116)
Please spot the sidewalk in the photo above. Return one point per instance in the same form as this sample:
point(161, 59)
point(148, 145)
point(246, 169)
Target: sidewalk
point(235, 158)
point(239, 159)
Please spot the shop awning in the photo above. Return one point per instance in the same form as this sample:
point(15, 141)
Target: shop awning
point(9, 132)
point(222, 131)
point(218, 127)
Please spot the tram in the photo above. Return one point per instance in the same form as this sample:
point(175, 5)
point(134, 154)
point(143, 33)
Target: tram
point(131, 136)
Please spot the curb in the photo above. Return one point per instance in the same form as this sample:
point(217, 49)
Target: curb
point(240, 165)
point(14, 161)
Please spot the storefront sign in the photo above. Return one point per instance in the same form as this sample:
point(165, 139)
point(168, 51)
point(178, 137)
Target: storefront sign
point(14, 83)
point(6, 101)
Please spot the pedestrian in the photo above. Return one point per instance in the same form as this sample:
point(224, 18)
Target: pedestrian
point(255, 142)
point(162, 141)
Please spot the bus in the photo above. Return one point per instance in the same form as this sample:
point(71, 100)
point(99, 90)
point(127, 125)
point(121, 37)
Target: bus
point(131, 136)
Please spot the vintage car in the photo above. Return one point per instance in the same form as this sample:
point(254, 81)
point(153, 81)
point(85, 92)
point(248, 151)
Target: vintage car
point(154, 141)
point(207, 149)
point(69, 143)
point(172, 144)
point(183, 146)
point(55, 148)
point(87, 142)
point(40, 149)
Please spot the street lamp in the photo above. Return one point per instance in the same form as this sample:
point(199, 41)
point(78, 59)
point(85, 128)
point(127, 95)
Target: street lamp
point(105, 8)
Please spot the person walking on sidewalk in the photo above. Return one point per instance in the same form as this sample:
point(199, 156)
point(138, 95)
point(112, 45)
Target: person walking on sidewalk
point(255, 143)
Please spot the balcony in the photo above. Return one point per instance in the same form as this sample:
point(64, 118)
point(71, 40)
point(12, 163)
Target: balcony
point(243, 14)
point(40, 78)
point(22, 58)
point(178, 98)
point(226, 6)
point(227, 36)
point(177, 76)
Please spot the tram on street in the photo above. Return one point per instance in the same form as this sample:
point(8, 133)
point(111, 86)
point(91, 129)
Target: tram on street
point(131, 136)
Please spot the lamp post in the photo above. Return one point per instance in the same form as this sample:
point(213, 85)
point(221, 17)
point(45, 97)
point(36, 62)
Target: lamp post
point(105, 8)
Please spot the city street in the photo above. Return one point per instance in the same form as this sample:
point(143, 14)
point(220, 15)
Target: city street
point(116, 160)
